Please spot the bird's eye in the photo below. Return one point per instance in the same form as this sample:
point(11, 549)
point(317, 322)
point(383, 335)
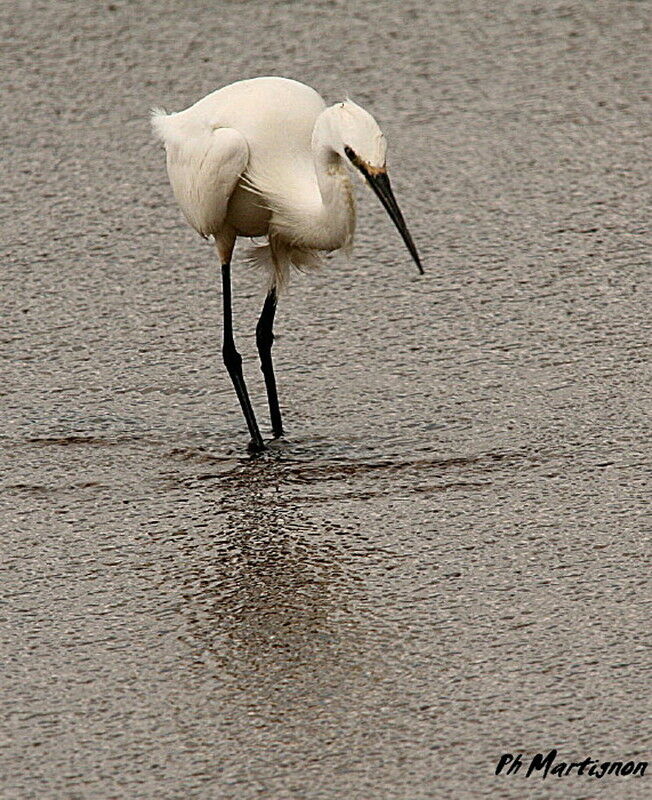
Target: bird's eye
point(350, 154)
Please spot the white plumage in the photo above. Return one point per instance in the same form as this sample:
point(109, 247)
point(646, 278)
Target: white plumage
point(266, 157)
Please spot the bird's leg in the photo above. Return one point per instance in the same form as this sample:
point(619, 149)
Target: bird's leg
point(233, 363)
point(265, 340)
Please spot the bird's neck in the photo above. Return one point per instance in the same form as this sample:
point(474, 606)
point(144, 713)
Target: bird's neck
point(335, 220)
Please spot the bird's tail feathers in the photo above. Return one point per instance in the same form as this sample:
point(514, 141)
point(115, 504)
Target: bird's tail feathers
point(159, 118)
point(176, 128)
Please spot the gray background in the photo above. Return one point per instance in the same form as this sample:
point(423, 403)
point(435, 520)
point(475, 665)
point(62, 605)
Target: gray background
point(449, 557)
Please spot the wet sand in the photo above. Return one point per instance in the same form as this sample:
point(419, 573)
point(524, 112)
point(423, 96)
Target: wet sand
point(448, 558)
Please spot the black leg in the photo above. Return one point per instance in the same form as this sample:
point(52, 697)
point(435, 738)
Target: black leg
point(265, 340)
point(233, 363)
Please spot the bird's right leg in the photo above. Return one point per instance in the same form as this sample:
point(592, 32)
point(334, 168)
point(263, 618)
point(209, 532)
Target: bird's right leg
point(264, 341)
point(233, 363)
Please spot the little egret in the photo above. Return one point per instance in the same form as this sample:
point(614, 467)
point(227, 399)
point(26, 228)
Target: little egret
point(266, 157)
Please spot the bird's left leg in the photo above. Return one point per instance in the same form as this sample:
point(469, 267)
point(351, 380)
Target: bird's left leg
point(265, 340)
point(233, 363)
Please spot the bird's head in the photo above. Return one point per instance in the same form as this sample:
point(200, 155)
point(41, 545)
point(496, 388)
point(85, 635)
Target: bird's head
point(355, 136)
point(359, 135)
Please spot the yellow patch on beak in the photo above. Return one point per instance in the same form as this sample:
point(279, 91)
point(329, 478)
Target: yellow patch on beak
point(367, 168)
point(375, 170)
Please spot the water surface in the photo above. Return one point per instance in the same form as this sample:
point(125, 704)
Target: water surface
point(448, 558)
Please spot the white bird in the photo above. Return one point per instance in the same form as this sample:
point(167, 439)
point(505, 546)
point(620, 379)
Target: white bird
point(266, 157)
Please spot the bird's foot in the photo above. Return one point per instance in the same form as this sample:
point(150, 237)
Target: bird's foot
point(255, 447)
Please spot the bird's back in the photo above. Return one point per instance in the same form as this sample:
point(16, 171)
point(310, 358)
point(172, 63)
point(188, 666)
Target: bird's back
point(275, 115)
point(273, 119)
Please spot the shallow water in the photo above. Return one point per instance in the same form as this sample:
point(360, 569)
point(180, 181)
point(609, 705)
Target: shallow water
point(448, 557)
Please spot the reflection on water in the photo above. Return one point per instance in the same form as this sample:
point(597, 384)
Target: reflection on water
point(265, 575)
point(263, 591)
point(349, 606)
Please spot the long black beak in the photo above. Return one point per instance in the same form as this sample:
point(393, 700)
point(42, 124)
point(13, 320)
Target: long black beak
point(379, 182)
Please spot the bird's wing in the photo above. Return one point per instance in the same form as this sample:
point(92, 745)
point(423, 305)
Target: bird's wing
point(204, 165)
